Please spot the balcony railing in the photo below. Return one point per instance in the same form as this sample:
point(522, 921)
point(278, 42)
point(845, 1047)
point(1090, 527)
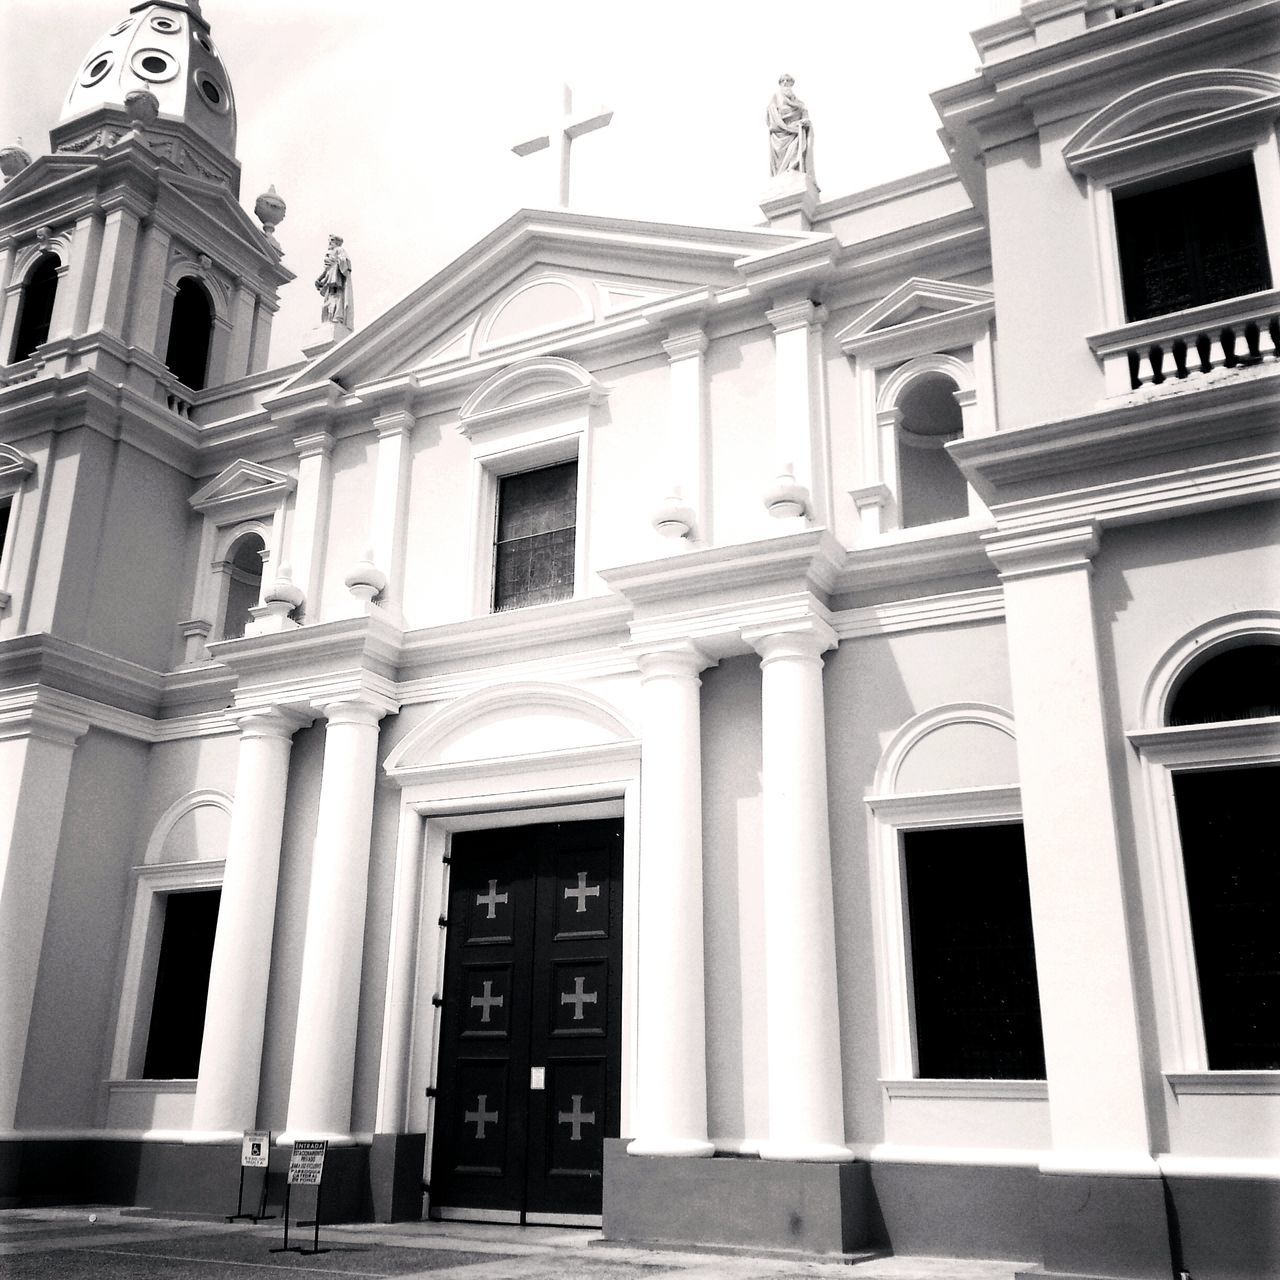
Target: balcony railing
point(1188, 345)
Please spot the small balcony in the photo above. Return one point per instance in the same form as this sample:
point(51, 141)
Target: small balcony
point(1188, 346)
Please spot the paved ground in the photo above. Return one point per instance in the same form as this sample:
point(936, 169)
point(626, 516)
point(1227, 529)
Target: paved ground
point(63, 1244)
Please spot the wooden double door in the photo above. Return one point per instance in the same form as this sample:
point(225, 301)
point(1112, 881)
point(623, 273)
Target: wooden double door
point(530, 1057)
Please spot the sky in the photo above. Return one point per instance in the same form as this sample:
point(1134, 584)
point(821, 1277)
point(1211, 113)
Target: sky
point(391, 122)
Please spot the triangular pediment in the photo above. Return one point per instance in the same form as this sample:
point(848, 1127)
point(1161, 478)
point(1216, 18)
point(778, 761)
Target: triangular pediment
point(916, 301)
point(541, 278)
point(242, 488)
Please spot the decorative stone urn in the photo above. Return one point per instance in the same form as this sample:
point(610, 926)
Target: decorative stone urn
point(365, 580)
point(785, 498)
point(13, 160)
point(141, 106)
point(279, 600)
point(270, 209)
point(674, 518)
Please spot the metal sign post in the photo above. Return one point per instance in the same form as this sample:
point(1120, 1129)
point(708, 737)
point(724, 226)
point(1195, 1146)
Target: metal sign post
point(306, 1169)
point(255, 1152)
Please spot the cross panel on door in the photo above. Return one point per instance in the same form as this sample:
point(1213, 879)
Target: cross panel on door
point(532, 987)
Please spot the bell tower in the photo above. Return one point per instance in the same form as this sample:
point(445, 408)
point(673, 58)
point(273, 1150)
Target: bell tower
point(129, 234)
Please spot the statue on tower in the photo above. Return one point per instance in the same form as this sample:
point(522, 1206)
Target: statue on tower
point(790, 131)
point(334, 286)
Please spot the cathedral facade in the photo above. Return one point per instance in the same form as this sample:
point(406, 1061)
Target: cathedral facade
point(754, 736)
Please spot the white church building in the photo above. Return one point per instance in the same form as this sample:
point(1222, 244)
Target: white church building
point(761, 736)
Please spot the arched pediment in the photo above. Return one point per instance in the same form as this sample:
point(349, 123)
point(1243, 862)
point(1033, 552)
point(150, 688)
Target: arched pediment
point(539, 305)
point(546, 382)
point(897, 382)
point(15, 467)
point(1174, 108)
point(959, 746)
point(513, 720)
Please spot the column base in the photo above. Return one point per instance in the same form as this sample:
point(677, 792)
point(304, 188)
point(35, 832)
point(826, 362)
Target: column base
point(670, 1147)
point(212, 1137)
point(806, 1152)
point(290, 1136)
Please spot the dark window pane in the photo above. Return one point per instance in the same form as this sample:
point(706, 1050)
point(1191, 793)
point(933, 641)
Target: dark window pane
point(1231, 855)
point(182, 986)
point(35, 311)
point(5, 508)
point(1238, 684)
point(1191, 243)
point(534, 552)
point(973, 960)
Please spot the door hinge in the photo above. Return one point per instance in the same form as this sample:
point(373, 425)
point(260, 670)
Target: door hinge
point(431, 1091)
point(443, 922)
point(437, 1001)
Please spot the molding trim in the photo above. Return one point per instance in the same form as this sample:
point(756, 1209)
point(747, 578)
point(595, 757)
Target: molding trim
point(1234, 1083)
point(912, 732)
point(983, 604)
point(206, 798)
point(1054, 550)
point(994, 1090)
point(530, 386)
point(242, 490)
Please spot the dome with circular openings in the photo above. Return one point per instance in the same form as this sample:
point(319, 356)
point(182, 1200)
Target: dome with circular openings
point(163, 46)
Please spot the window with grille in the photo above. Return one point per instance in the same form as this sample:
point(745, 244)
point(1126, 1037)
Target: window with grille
point(35, 310)
point(535, 540)
point(1191, 243)
point(972, 957)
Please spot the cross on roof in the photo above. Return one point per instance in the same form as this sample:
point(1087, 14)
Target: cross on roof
point(561, 136)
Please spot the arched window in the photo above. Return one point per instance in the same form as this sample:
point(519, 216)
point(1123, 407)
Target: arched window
point(35, 310)
point(190, 333)
point(931, 487)
point(1226, 827)
point(243, 568)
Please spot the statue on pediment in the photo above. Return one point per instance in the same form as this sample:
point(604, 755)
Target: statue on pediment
point(790, 131)
point(334, 286)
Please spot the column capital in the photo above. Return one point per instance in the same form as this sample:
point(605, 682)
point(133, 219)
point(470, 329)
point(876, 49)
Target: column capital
point(354, 711)
point(314, 443)
point(681, 344)
point(46, 720)
point(799, 314)
point(675, 660)
point(280, 723)
point(808, 637)
point(1056, 550)
point(397, 422)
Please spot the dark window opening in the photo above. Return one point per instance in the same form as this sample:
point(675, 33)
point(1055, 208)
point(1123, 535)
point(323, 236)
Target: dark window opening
point(931, 486)
point(35, 311)
point(973, 960)
point(182, 986)
point(1192, 243)
point(1242, 683)
point(6, 506)
point(244, 569)
point(190, 334)
point(1231, 857)
point(534, 546)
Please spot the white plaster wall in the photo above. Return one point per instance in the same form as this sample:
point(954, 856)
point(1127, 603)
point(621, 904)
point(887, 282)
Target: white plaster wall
point(71, 1019)
point(1152, 585)
point(176, 768)
point(873, 685)
point(350, 513)
point(740, 368)
point(733, 905)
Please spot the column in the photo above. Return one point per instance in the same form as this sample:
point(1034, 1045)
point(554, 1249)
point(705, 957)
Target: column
point(241, 312)
point(324, 1048)
point(36, 750)
point(311, 517)
point(226, 1099)
point(671, 1057)
point(798, 451)
point(686, 502)
point(115, 267)
point(6, 274)
point(806, 1102)
point(1088, 1006)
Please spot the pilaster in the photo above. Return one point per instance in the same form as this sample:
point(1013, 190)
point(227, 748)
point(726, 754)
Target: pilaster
point(114, 280)
point(241, 337)
point(806, 1098)
point(311, 516)
point(152, 264)
point(74, 300)
point(387, 528)
point(37, 745)
point(671, 1054)
point(799, 411)
point(235, 1014)
point(1097, 1105)
point(685, 509)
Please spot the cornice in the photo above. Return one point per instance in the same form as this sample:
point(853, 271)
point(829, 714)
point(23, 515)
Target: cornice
point(1074, 453)
point(1031, 555)
point(51, 663)
point(983, 604)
